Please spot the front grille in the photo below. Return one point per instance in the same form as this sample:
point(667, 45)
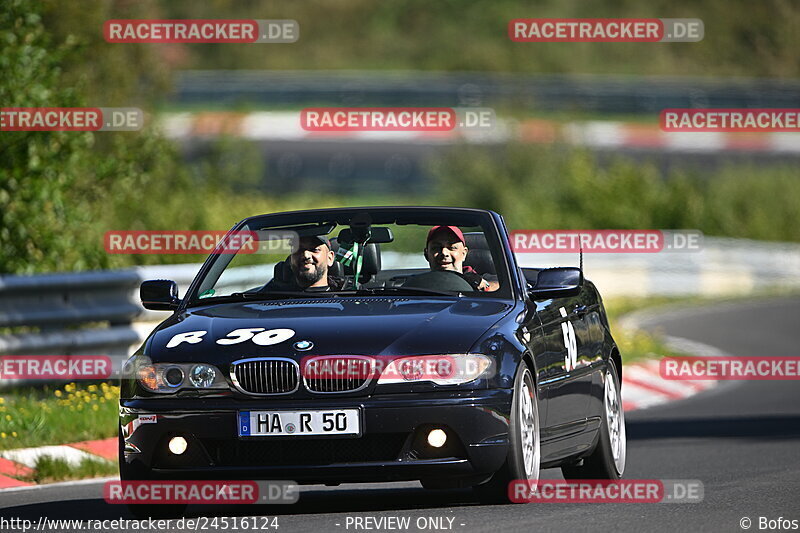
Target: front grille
point(266, 376)
point(306, 452)
point(332, 374)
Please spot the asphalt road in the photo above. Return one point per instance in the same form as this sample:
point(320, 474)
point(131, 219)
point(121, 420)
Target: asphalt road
point(741, 439)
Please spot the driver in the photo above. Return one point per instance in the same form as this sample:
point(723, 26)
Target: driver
point(446, 249)
point(310, 264)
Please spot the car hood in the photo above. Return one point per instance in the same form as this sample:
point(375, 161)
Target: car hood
point(359, 326)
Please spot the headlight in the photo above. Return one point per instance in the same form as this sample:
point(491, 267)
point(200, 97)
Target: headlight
point(452, 369)
point(168, 378)
point(202, 376)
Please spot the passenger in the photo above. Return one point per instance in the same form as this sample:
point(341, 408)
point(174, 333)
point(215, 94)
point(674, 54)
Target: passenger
point(446, 249)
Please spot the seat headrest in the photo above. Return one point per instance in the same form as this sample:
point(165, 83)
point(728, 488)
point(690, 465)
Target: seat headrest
point(370, 264)
point(336, 270)
point(481, 261)
point(479, 257)
point(476, 240)
point(283, 271)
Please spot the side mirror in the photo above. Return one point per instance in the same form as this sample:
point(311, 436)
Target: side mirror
point(159, 295)
point(558, 282)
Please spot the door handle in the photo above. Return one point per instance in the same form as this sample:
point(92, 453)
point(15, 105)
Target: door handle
point(579, 310)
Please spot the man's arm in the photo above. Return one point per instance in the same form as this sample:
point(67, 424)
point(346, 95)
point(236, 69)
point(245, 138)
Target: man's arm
point(478, 282)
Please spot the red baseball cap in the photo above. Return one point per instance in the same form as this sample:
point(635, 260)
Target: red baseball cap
point(452, 229)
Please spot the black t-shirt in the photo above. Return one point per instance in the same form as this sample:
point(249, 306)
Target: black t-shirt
point(334, 284)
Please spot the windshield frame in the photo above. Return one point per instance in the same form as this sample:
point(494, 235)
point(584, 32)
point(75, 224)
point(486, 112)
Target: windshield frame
point(492, 223)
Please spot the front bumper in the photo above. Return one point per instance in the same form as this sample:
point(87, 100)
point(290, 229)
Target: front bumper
point(391, 448)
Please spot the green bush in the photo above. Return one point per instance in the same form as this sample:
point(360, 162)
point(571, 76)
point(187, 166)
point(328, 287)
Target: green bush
point(742, 38)
point(552, 187)
point(61, 191)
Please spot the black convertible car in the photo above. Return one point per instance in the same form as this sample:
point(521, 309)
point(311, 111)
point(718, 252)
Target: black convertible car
point(313, 365)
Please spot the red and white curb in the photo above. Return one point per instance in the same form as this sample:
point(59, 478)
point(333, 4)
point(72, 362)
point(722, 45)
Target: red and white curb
point(642, 383)
point(600, 134)
point(21, 462)
point(643, 386)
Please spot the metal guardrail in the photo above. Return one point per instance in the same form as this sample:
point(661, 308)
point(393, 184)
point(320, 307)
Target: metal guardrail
point(595, 93)
point(68, 299)
point(87, 313)
point(99, 313)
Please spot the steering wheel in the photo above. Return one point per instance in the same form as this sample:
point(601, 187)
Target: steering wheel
point(444, 280)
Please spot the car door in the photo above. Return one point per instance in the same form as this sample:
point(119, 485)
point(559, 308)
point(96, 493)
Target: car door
point(569, 377)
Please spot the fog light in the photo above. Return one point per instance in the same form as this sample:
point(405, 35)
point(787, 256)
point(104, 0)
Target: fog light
point(437, 438)
point(177, 445)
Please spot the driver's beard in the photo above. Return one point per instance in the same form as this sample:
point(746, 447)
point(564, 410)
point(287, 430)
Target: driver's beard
point(306, 278)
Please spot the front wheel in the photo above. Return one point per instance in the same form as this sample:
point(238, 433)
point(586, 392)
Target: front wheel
point(607, 461)
point(524, 454)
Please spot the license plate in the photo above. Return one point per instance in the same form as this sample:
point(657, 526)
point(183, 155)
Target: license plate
point(293, 423)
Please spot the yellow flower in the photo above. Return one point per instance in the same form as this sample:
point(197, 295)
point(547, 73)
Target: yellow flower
point(58, 394)
point(14, 434)
point(2, 400)
point(95, 407)
point(8, 417)
point(2, 435)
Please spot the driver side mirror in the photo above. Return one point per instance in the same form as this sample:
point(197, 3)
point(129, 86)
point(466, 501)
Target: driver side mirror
point(558, 282)
point(159, 295)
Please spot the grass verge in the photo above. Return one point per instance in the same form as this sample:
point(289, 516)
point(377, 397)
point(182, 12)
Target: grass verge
point(38, 416)
point(51, 469)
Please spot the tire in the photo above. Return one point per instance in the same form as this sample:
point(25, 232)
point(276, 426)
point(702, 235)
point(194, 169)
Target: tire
point(140, 511)
point(524, 453)
point(607, 461)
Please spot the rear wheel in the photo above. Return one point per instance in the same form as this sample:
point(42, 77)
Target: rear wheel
point(608, 459)
point(524, 446)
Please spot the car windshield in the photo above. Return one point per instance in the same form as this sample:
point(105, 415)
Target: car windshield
point(397, 251)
